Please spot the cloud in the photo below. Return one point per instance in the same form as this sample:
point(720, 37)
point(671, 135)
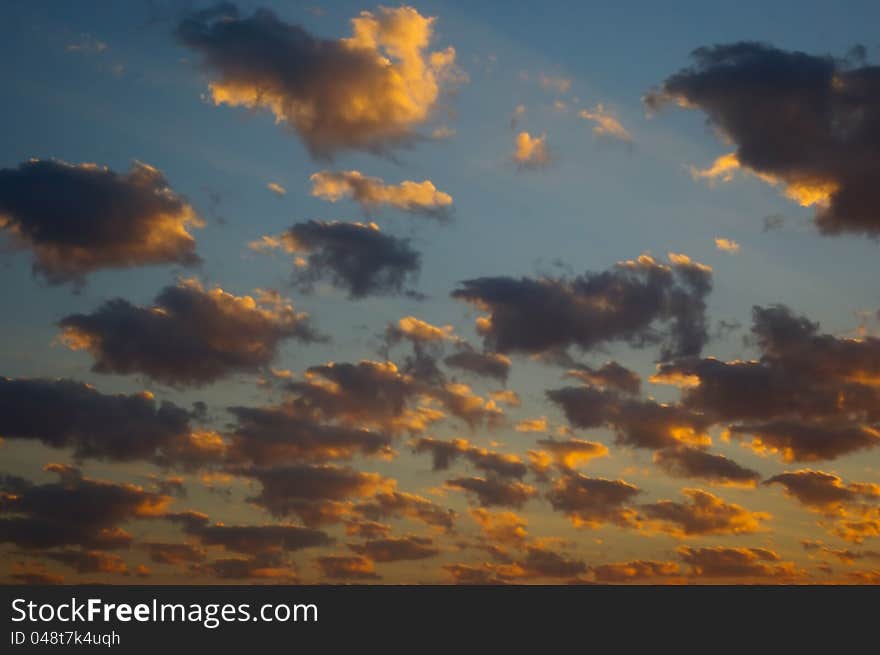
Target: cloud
point(567, 454)
point(75, 511)
point(88, 561)
point(532, 425)
point(803, 122)
point(190, 336)
point(276, 188)
point(68, 414)
point(531, 152)
point(610, 375)
point(555, 83)
point(705, 514)
point(723, 562)
point(278, 434)
point(342, 567)
point(726, 245)
point(634, 571)
point(824, 492)
point(369, 91)
point(637, 422)
point(397, 504)
point(254, 539)
point(593, 502)
point(263, 566)
point(519, 113)
point(493, 492)
point(173, 553)
point(810, 397)
point(372, 192)
point(606, 124)
point(685, 462)
point(77, 219)
point(378, 395)
point(357, 257)
point(625, 303)
point(505, 528)
point(485, 364)
point(314, 493)
point(395, 549)
point(445, 452)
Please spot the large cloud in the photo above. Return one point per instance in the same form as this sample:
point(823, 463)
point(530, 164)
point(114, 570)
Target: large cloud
point(75, 511)
point(69, 414)
point(372, 192)
point(356, 257)
point(191, 335)
point(810, 397)
point(369, 91)
point(808, 123)
point(639, 302)
point(77, 219)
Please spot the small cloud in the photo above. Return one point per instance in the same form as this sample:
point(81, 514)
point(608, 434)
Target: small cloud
point(276, 188)
point(531, 152)
point(86, 45)
point(606, 124)
point(518, 113)
point(442, 132)
point(555, 83)
point(726, 245)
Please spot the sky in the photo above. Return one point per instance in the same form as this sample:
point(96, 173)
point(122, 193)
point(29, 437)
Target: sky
point(493, 293)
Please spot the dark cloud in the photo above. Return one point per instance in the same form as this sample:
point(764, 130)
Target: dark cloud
point(489, 492)
point(272, 435)
point(722, 562)
point(639, 302)
point(191, 335)
point(637, 422)
point(315, 493)
point(395, 549)
point(809, 123)
point(68, 414)
point(250, 539)
point(367, 92)
point(342, 567)
point(824, 492)
point(174, 553)
point(378, 395)
point(88, 561)
point(592, 502)
point(356, 257)
point(77, 219)
point(488, 365)
point(609, 375)
point(444, 452)
point(269, 565)
point(684, 462)
point(74, 511)
point(705, 514)
point(397, 504)
point(810, 397)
